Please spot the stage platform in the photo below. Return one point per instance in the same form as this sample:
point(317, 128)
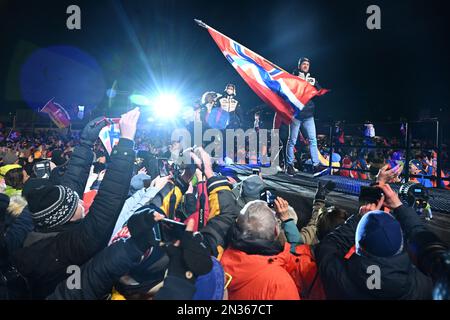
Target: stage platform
point(299, 191)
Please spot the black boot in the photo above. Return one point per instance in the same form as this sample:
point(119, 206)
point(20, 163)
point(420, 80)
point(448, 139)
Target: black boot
point(290, 170)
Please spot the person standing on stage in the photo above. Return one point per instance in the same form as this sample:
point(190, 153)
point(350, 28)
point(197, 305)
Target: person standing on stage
point(304, 118)
point(230, 105)
point(208, 102)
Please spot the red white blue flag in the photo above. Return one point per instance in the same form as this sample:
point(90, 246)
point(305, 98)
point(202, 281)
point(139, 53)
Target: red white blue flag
point(110, 134)
point(287, 94)
point(57, 113)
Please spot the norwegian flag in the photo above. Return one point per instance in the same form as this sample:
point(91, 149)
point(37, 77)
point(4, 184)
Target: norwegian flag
point(287, 94)
point(110, 134)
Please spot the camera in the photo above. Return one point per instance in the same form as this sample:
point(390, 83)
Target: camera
point(415, 195)
point(370, 194)
point(42, 169)
point(182, 173)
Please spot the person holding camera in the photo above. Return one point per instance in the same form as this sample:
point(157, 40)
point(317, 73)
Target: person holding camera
point(366, 258)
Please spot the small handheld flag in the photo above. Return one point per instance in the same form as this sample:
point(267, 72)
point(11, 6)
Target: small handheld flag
point(110, 134)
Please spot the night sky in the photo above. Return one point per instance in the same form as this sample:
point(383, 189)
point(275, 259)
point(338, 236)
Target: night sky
point(402, 70)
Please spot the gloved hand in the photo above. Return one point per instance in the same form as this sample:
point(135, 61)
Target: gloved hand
point(190, 258)
point(141, 226)
point(90, 133)
point(324, 189)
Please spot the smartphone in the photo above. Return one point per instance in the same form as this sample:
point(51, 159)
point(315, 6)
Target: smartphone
point(167, 230)
point(269, 198)
point(163, 167)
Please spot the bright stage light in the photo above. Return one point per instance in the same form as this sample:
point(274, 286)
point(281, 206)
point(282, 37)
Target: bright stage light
point(166, 106)
point(139, 100)
point(188, 113)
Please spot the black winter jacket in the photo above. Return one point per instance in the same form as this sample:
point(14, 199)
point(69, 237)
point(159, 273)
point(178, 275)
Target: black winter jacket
point(44, 262)
point(308, 110)
point(99, 275)
point(347, 278)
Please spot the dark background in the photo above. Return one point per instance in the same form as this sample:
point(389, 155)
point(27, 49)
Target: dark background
point(401, 70)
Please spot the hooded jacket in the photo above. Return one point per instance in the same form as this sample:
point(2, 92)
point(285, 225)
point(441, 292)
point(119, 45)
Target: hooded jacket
point(259, 277)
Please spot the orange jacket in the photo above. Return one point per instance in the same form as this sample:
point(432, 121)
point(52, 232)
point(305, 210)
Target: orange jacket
point(280, 277)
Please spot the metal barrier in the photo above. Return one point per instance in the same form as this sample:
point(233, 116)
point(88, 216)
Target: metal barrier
point(406, 147)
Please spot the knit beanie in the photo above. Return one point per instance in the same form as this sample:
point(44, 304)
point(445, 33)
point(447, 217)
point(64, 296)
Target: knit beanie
point(52, 206)
point(378, 234)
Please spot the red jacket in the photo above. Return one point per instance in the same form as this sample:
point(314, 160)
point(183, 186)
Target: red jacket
point(281, 277)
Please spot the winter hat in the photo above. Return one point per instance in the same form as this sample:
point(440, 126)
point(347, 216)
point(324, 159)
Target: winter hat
point(347, 161)
point(211, 286)
point(301, 60)
point(378, 234)
point(137, 182)
point(335, 157)
point(5, 169)
point(52, 206)
point(10, 158)
point(58, 158)
point(416, 163)
point(252, 187)
point(33, 184)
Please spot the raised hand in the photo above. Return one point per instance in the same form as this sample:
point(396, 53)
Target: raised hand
point(128, 124)
point(91, 131)
point(391, 199)
point(282, 208)
point(386, 175)
point(371, 207)
point(141, 226)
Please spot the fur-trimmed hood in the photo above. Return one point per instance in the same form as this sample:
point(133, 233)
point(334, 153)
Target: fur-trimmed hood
point(16, 205)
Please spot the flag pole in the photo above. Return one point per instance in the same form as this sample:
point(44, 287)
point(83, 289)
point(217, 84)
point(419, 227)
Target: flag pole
point(204, 25)
point(201, 23)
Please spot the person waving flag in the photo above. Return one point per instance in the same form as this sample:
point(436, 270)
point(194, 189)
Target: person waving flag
point(287, 94)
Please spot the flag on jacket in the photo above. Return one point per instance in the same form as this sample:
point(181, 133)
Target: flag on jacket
point(110, 134)
point(287, 94)
point(57, 113)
